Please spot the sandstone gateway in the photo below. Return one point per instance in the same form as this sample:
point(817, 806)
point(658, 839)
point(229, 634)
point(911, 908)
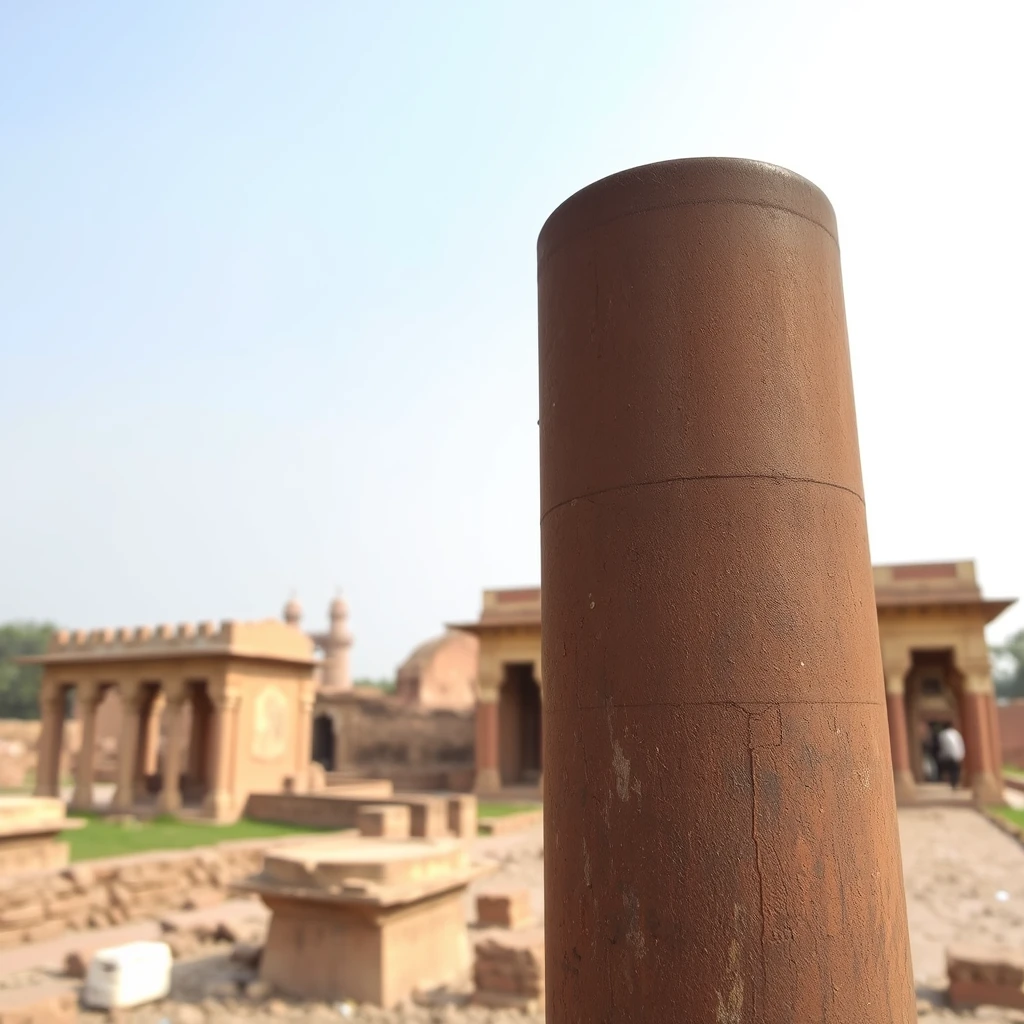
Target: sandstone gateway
point(931, 624)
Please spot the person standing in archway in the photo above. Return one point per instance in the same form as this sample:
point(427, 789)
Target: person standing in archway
point(950, 749)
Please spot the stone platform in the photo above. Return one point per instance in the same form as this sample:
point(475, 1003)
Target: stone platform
point(365, 919)
point(29, 826)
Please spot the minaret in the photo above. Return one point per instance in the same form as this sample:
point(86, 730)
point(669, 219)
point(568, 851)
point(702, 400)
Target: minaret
point(336, 648)
point(293, 612)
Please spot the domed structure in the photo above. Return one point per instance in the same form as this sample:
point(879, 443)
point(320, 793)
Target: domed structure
point(293, 611)
point(338, 612)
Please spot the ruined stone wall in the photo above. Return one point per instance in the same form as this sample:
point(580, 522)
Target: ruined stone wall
point(19, 745)
point(377, 737)
point(100, 893)
point(1011, 732)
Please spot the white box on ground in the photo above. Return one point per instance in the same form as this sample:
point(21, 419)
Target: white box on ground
point(128, 975)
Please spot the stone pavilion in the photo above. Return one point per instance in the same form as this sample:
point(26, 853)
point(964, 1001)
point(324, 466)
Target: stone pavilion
point(235, 699)
point(931, 620)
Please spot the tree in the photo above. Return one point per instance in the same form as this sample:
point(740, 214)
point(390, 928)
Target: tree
point(384, 685)
point(19, 684)
point(1009, 666)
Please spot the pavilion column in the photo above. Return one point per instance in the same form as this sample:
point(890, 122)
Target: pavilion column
point(151, 753)
point(982, 759)
point(51, 737)
point(133, 697)
point(170, 792)
point(488, 774)
point(219, 803)
point(88, 697)
point(304, 739)
point(899, 743)
point(147, 751)
point(720, 834)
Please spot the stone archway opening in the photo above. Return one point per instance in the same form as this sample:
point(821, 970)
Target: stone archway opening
point(323, 742)
point(934, 696)
point(519, 715)
point(196, 778)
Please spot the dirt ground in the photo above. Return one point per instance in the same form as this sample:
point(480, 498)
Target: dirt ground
point(964, 880)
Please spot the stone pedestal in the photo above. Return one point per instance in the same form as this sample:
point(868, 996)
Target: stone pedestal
point(365, 919)
point(509, 908)
point(462, 816)
point(720, 820)
point(383, 821)
point(29, 827)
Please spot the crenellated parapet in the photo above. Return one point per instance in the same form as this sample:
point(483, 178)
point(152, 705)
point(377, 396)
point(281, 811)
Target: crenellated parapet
point(269, 638)
point(185, 634)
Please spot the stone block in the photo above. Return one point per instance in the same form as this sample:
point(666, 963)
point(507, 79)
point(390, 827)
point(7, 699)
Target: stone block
point(429, 817)
point(45, 930)
point(384, 821)
point(81, 876)
point(40, 1004)
point(462, 815)
point(68, 906)
point(24, 915)
point(510, 908)
point(508, 969)
point(28, 830)
point(365, 920)
point(988, 975)
point(120, 895)
point(76, 963)
point(200, 898)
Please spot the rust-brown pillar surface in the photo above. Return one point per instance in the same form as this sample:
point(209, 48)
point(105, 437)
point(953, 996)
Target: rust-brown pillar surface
point(720, 823)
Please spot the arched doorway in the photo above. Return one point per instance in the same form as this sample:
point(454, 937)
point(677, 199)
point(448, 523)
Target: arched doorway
point(519, 715)
point(323, 741)
point(934, 698)
point(197, 755)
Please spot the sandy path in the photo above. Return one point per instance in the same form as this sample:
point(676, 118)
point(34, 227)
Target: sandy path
point(954, 863)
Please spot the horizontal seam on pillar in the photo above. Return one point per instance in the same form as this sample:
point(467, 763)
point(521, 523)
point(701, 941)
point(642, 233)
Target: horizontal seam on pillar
point(550, 251)
point(700, 477)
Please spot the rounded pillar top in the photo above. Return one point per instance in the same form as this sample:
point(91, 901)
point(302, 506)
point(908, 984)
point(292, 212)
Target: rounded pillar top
point(692, 327)
point(690, 182)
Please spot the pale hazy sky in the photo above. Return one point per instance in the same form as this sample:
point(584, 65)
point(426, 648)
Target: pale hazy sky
point(267, 280)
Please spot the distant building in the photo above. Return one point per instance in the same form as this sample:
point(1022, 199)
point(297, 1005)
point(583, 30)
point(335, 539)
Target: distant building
point(440, 673)
point(334, 645)
point(934, 660)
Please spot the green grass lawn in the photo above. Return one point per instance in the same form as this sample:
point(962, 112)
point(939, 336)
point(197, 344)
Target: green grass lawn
point(501, 809)
point(1011, 814)
point(103, 838)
